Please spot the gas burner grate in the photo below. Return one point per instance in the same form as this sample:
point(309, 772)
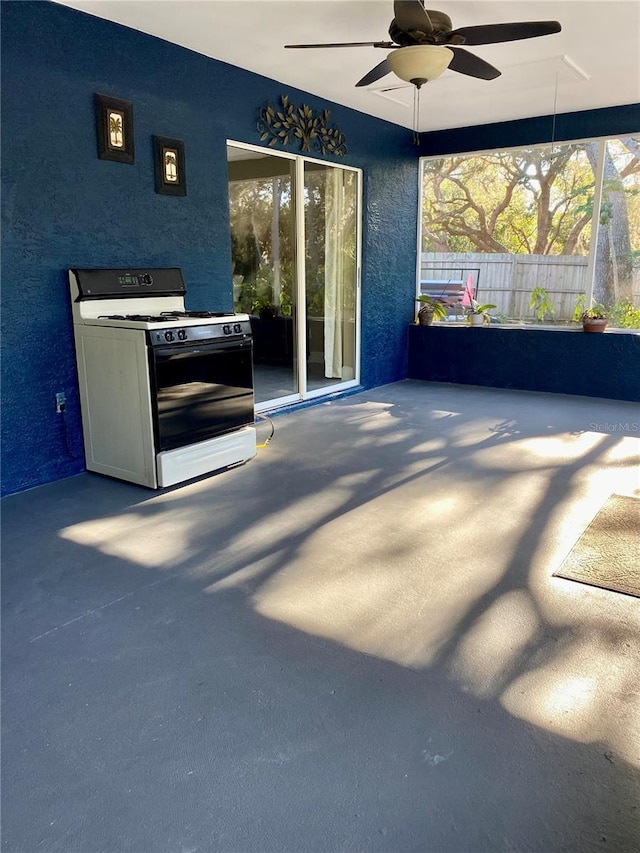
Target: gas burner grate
point(139, 318)
point(198, 314)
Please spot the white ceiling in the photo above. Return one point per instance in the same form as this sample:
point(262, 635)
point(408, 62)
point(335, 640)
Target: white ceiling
point(594, 62)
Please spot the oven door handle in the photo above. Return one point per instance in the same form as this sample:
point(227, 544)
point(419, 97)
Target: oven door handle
point(194, 348)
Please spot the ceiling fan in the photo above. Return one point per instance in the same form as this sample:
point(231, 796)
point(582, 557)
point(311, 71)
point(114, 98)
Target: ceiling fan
point(424, 44)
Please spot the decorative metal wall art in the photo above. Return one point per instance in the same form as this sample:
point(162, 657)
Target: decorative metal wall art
point(171, 176)
point(114, 124)
point(288, 123)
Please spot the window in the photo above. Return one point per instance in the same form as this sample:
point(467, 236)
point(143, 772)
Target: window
point(540, 232)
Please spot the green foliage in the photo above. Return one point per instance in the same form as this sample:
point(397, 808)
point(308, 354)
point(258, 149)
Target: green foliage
point(525, 201)
point(578, 311)
point(596, 312)
point(479, 310)
point(542, 304)
point(625, 315)
point(263, 238)
point(434, 305)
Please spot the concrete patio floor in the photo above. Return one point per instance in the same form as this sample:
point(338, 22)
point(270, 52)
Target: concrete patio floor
point(354, 642)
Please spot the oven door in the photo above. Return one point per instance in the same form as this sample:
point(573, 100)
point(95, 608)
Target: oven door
point(200, 390)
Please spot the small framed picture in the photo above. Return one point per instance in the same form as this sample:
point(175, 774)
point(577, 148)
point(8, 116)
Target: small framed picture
point(168, 155)
point(114, 124)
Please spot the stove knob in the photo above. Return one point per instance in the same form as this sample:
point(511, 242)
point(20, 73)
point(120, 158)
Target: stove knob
point(237, 328)
point(168, 336)
point(226, 330)
point(182, 335)
point(145, 278)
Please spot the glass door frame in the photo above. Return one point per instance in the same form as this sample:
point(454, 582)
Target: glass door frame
point(300, 267)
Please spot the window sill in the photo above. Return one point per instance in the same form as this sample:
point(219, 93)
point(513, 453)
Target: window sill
point(532, 327)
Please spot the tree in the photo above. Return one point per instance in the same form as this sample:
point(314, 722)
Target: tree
point(540, 201)
point(524, 202)
point(262, 241)
point(614, 257)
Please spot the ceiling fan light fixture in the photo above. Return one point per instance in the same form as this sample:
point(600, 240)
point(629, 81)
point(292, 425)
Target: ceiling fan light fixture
point(420, 62)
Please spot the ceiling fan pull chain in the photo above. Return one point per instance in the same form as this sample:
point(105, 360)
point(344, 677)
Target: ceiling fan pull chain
point(416, 114)
point(555, 113)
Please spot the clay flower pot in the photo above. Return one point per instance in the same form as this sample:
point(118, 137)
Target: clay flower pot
point(425, 315)
point(594, 324)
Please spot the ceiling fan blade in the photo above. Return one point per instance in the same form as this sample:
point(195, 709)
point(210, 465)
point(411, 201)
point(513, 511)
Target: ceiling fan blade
point(410, 15)
point(494, 33)
point(468, 63)
point(387, 44)
point(376, 73)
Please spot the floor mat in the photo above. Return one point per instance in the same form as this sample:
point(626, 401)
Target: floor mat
point(608, 552)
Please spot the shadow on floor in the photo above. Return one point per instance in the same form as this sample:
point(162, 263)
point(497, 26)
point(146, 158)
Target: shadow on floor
point(351, 643)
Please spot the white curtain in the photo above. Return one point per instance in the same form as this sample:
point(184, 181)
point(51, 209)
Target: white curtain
point(334, 274)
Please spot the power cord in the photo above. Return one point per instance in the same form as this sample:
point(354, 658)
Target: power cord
point(273, 429)
point(65, 432)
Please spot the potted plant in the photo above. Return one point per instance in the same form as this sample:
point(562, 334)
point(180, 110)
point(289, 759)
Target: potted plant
point(265, 309)
point(477, 314)
point(541, 304)
point(431, 309)
point(594, 319)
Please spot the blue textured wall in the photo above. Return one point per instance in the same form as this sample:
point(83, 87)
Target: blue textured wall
point(610, 121)
point(63, 207)
point(563, 362)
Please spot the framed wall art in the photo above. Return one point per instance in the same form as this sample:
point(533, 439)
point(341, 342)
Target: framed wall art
point(168, 155)
point(114, 125)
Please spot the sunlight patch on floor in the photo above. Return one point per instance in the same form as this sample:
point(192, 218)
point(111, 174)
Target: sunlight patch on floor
point(424, 448)
point(556, 448)
point(399, 591)
point(377, 421)
point(137, 539)
point(523, 455)
point(438, 414)
point(574, 694)
point(494, 646)
point(403, 593)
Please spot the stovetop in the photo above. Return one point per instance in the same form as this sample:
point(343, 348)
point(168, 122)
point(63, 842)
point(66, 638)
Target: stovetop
point(137, 318)
point(167, 316)
point(172, 320)
point(204, 314)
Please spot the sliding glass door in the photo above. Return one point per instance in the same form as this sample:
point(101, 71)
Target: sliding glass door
point(330, 207)
point(263, 246)
point(295, 258)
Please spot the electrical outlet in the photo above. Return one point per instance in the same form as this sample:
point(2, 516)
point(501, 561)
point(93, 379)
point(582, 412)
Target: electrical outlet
point(61, 402)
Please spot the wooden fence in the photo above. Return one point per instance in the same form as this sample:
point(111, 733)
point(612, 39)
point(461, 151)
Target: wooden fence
point(508, 280)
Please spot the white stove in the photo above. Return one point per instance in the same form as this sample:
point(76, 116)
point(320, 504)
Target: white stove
point(166, 394)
